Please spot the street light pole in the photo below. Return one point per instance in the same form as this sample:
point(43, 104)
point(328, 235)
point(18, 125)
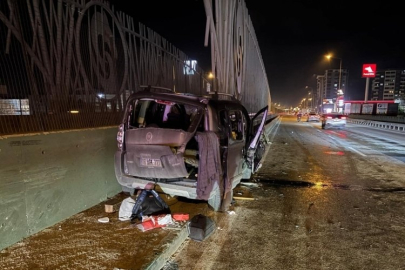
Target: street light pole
point(340, 73)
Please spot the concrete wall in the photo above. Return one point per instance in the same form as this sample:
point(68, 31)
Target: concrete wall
point(45, 178)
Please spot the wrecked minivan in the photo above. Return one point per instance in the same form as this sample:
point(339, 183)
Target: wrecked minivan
point(197, 147)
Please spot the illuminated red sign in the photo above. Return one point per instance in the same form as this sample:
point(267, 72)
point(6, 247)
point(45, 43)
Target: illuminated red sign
point(369, 70)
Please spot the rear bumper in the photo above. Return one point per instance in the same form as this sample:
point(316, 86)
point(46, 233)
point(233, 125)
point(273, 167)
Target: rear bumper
point(186, 188)
point(335, 124)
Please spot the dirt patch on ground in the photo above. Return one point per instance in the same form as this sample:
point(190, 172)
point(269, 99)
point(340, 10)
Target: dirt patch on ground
point(82, 242)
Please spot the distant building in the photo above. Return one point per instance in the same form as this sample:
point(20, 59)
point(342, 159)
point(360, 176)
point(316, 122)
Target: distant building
point(388, 85)
point(320, 86)
point(328, 89)
point(332, 82)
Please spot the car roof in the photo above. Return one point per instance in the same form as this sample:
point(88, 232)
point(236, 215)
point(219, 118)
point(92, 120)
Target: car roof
point(176, 97)
point(198, 100)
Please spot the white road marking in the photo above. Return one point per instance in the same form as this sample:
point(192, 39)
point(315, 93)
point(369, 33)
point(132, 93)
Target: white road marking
point(358, 152)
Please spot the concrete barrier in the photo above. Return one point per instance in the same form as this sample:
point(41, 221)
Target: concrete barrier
point(48, 177)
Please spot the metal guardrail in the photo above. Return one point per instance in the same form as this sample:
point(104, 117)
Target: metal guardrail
point(378, 124)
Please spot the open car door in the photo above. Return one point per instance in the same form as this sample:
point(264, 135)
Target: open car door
point(256, 145)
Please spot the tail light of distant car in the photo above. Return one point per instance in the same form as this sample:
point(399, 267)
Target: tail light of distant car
point(343, 117)
point(329, 117)
point(120, 136)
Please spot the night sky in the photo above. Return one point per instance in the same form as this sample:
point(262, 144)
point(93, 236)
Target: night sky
point(293, 37)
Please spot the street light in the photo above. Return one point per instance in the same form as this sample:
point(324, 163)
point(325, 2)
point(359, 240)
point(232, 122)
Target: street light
point(329, 56)
point(210, 84)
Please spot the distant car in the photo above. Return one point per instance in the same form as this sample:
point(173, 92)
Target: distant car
point(313, 116)
point(333, 120)
point(197, 147)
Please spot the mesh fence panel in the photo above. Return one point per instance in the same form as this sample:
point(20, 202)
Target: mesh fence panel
point(72, 64)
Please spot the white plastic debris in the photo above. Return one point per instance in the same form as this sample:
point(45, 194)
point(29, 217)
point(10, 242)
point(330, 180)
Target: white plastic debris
point(231, 212)
point(104, 220)
point(249, 184)
point(165, 220)
point(125, 211)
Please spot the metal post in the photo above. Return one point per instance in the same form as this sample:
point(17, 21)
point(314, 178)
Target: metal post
point(366, 90)
point(340, 73)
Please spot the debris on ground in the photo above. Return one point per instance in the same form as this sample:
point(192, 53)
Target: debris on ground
point(200, 227)
point(181, 216)
point(152, 222)
point(242, 193)
point(104, 220)
point(249, 184)
point(126, 207)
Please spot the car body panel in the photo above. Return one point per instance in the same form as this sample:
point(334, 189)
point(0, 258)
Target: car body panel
point(154, 161)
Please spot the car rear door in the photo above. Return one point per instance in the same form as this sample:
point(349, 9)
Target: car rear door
point(255, 144)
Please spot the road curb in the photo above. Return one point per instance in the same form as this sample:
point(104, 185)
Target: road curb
point(173, 242)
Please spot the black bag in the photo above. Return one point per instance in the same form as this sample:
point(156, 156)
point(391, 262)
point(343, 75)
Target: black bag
point(200, 227)
point(147, 203)
point(152, 205)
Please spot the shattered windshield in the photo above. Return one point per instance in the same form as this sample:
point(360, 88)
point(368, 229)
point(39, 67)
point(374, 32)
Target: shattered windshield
point(160, 114)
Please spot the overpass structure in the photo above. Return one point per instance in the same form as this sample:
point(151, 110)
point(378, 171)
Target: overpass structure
point(66, 70)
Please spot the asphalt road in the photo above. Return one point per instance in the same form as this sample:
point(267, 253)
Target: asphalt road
point(323, 199)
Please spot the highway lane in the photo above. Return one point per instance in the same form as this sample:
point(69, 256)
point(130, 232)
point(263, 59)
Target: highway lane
point(324, 199)
point(366, 152)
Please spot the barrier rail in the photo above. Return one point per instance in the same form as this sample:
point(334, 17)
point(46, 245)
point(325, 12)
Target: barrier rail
point(378, 124)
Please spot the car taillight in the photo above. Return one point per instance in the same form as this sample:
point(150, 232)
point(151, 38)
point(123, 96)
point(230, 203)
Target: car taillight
point(343, 117)
point(120, 136)
point(329, 117)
